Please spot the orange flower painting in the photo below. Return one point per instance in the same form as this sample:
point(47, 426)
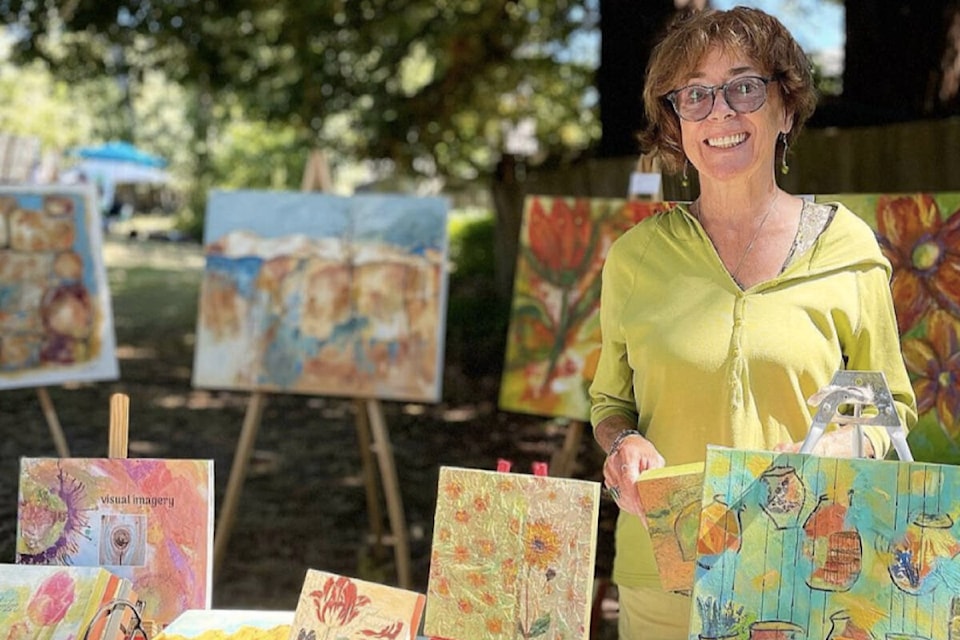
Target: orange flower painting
point(554, 337)
point(919, 234)
point(521, 566)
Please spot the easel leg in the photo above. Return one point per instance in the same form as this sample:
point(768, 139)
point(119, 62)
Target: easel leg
point(59, 440)
point(369, 477)
point(565, 459)
point(391, 489)
point(238, 473)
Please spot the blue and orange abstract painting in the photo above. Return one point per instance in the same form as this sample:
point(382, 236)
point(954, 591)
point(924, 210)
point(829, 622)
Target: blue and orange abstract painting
point(321, 294)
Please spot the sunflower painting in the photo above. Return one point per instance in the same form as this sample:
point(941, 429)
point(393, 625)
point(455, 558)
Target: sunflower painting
point(554, 337)
point(512, 556)
point(920, 235)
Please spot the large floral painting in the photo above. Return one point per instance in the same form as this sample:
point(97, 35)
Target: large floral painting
point(554, 337)
point(56, 322)
point(920, 235)
point(800, 546)
point(321, 294)
point(512, 557)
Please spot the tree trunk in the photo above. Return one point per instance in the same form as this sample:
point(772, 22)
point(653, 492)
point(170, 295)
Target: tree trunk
point(894, 59)
point(628, 31)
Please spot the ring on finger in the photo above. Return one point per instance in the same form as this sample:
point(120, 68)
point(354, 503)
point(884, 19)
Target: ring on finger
point(624, 467)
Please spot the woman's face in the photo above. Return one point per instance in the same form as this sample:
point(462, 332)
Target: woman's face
point(727, 145)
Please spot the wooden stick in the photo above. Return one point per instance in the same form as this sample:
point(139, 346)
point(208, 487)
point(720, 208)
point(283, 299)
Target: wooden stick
point(56, 431)
point(391, 488)
point(119, 425)
point(369, 476)
point(565, 459)
point(238, 472)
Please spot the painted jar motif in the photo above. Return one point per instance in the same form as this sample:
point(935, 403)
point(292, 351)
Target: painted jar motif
point(835, 548)
point(783, 496)
point(927, 542)
point(720, 531)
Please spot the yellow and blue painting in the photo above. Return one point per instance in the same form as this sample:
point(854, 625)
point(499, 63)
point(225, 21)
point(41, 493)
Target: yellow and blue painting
point(801, 546)
point(56, 322)
point(322, 294)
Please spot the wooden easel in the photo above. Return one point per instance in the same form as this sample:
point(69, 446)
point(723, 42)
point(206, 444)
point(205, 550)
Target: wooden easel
point(53, 422)
point(372, 436)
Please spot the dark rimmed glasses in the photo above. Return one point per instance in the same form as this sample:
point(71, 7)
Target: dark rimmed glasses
point(135, 631)
point(745, 94)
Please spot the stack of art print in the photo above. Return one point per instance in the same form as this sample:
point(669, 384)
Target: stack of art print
point(229, 624)
point(322, 294)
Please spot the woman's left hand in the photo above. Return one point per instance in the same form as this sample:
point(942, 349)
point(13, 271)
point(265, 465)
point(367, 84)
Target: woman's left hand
point(623, 467)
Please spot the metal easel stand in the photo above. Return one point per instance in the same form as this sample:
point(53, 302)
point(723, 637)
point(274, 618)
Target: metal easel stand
point(857, 389)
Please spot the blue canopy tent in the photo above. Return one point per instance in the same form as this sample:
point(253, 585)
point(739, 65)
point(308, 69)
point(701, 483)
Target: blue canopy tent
point(118, 162)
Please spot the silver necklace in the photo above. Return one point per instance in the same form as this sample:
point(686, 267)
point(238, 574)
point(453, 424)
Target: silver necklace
point(756, 234)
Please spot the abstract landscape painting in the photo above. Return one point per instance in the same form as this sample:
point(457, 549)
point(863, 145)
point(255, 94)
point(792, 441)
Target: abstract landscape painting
point(56, 322)
point(320, 294)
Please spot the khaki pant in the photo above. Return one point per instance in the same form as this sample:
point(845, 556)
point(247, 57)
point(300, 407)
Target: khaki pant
point(652, 614)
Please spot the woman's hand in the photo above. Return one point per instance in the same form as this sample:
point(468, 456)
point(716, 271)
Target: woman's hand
point(839, 443)
point(631, 456)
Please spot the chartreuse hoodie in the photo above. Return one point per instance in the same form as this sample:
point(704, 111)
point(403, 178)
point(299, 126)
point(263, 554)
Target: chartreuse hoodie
point(694, 360)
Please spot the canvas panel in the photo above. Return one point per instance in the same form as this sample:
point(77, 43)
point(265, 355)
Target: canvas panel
point(513, 556)
point(56, 320)
point(807, 547)
point(320, 294)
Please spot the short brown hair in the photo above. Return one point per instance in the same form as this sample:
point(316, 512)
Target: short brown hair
point(751, 32)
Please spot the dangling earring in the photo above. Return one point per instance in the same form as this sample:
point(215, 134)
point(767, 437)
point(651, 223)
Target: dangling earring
point(684, 179)
point(784, 169)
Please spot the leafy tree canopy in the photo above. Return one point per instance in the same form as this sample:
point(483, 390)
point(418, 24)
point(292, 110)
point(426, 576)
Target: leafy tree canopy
point(429, 84)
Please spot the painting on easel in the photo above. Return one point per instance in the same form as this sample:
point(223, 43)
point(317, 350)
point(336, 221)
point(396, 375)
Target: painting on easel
point(554, 337)
point(920, 234)
point(321, 294)
point(56, 322)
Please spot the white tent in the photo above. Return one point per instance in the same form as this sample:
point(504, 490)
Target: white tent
point(116, 163)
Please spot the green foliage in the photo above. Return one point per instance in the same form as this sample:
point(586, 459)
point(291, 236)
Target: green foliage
point(477, 315)
point(430, 84)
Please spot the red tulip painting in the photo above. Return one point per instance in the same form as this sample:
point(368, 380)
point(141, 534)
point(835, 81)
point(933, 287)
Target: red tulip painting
point(920, 235)
point(554, 336)
point(332, 607)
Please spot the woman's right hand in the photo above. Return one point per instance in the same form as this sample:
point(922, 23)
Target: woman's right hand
point(624, 465)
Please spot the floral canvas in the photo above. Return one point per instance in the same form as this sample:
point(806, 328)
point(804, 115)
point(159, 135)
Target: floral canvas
point(228, 624)
point(335, 607)
point(513, 556)
point(146, 520)
point(670, 498)
point(801, 546)
point(553, 341)
point(56, 322)
point(920, 235)
point(321, 294)
point(62, 603)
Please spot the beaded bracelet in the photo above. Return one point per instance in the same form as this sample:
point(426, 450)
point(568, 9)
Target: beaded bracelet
point(618, 441)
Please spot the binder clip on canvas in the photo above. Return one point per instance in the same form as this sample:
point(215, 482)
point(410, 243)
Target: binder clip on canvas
point(860, 390)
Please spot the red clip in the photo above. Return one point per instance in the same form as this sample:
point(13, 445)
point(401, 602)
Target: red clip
point(540, 468)
point(503, 466)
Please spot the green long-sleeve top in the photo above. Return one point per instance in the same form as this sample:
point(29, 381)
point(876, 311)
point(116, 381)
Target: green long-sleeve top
point(694, 360)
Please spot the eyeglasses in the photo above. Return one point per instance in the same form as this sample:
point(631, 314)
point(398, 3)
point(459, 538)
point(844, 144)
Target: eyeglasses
point(132, 630)
point(694, 102)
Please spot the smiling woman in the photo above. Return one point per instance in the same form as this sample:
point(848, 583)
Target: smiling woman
point(695, 301)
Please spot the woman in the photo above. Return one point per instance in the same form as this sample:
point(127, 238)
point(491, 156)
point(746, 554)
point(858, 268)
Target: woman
point(721, 318)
